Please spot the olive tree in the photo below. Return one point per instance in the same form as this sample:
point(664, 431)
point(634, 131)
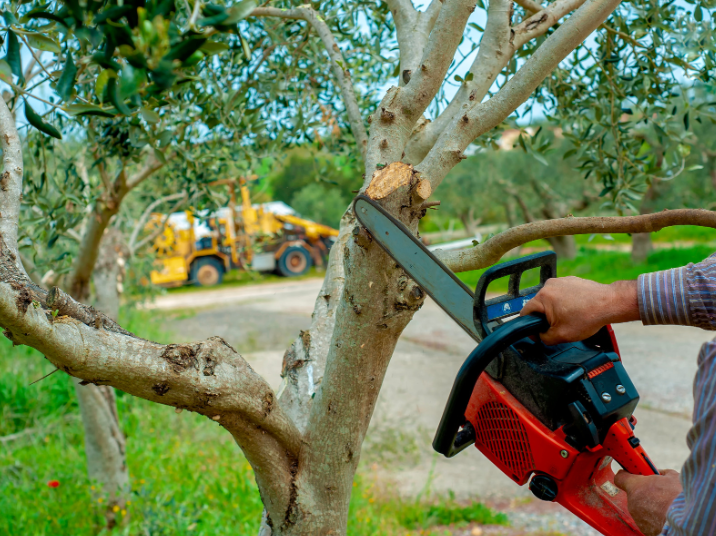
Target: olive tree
point(304, 443)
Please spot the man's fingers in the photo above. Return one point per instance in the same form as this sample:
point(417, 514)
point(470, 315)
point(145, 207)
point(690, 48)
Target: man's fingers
point(533, 306)
point(667, 472)
point(626, 481)
point(550, 338)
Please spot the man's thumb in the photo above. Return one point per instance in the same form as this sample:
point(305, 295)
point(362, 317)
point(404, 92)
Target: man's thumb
point(625, 481)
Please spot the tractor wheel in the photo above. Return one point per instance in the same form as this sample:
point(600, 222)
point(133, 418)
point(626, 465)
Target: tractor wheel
point(207, 272)
point(294, 261)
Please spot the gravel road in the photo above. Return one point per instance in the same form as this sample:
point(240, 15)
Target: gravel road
point(261, 321)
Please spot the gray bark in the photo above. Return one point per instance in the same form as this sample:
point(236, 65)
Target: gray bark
point(641, 246)
point(104, 439)
point(564, 246)
point(104, 446)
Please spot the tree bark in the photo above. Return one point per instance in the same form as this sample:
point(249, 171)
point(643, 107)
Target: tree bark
point(104, 440)
point(104, 447)
point(564, 246)
point(470, 222)
point(641, 246)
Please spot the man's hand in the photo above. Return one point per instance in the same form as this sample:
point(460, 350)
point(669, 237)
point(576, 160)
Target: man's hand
point(649, 498)
point(577, 308)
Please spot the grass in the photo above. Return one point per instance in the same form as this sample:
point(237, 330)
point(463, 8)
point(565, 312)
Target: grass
point(188, 476)
point(604, 266)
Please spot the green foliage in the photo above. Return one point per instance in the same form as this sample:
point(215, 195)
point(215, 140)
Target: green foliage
point(23, 405)
point(304, 166)
point(321, 204)
point(499, 185)
point(628, 100)
point(317, 184)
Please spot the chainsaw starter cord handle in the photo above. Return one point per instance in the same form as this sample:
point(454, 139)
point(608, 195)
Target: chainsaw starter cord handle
point(495, 343)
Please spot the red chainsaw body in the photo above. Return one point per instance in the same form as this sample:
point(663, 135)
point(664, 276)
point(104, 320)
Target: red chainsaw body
point(521, 446)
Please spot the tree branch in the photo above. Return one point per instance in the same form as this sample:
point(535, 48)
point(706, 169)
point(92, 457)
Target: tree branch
point(338, 64)
point(98, 220)
point(413, 29)
point(142, 222)
point(207, 377)
point(154, 164)
point(529, 5)
point(401, 108)
point(490, 252)
point(480, 118)
point(497, 47)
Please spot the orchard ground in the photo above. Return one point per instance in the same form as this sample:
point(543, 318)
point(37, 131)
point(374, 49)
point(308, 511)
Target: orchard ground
point(183, 467)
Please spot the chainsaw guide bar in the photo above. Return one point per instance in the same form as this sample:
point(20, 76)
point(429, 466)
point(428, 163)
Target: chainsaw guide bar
point(436, 279)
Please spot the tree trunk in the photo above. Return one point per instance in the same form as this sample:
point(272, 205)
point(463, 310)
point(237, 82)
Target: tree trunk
point(104, 447)
point(564, 246)
point(104, 440)
point(470, 222)
point(641, 246)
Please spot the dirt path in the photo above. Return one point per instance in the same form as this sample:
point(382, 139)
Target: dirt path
point(262, 321)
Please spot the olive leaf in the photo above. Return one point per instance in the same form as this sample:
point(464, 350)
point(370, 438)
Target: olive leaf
point(36, 121)
point(66, 83)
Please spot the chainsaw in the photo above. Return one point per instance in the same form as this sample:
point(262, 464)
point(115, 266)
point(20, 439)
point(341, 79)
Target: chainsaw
point(552, 417)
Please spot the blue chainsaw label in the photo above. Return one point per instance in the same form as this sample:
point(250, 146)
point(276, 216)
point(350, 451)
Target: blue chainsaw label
point(507, 308)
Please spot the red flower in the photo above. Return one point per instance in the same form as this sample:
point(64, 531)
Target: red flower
point(54, 483)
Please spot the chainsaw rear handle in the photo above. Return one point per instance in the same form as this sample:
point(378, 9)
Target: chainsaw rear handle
point(449, 440)
point(486, 311)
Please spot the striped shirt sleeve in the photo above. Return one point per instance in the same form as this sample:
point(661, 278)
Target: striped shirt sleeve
point(684, 296)
point(693, 512)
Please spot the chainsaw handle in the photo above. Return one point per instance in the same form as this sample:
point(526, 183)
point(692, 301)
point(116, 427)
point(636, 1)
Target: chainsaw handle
point(486, 311)
point(446, 440)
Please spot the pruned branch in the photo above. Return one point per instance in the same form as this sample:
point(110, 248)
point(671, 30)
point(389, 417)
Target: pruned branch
point(490, 252)
point(338, 63)
point(480, 118)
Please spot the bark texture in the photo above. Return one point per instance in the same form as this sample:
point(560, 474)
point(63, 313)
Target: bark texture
point(641, 246)
point(104, 446)
point(105, 442)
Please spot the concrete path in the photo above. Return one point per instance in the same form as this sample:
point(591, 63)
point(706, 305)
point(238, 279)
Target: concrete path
point(262, 321)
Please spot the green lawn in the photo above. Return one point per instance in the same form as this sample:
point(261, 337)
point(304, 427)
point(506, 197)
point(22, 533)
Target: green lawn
point(188, 475)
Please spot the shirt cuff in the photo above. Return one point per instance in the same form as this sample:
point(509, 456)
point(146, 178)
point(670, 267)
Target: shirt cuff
point(663, 299)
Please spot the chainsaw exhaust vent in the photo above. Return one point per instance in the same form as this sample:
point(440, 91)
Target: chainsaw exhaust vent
point(499, 429)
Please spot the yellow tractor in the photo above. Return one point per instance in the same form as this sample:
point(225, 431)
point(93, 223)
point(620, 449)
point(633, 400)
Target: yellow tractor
point(201, 248)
